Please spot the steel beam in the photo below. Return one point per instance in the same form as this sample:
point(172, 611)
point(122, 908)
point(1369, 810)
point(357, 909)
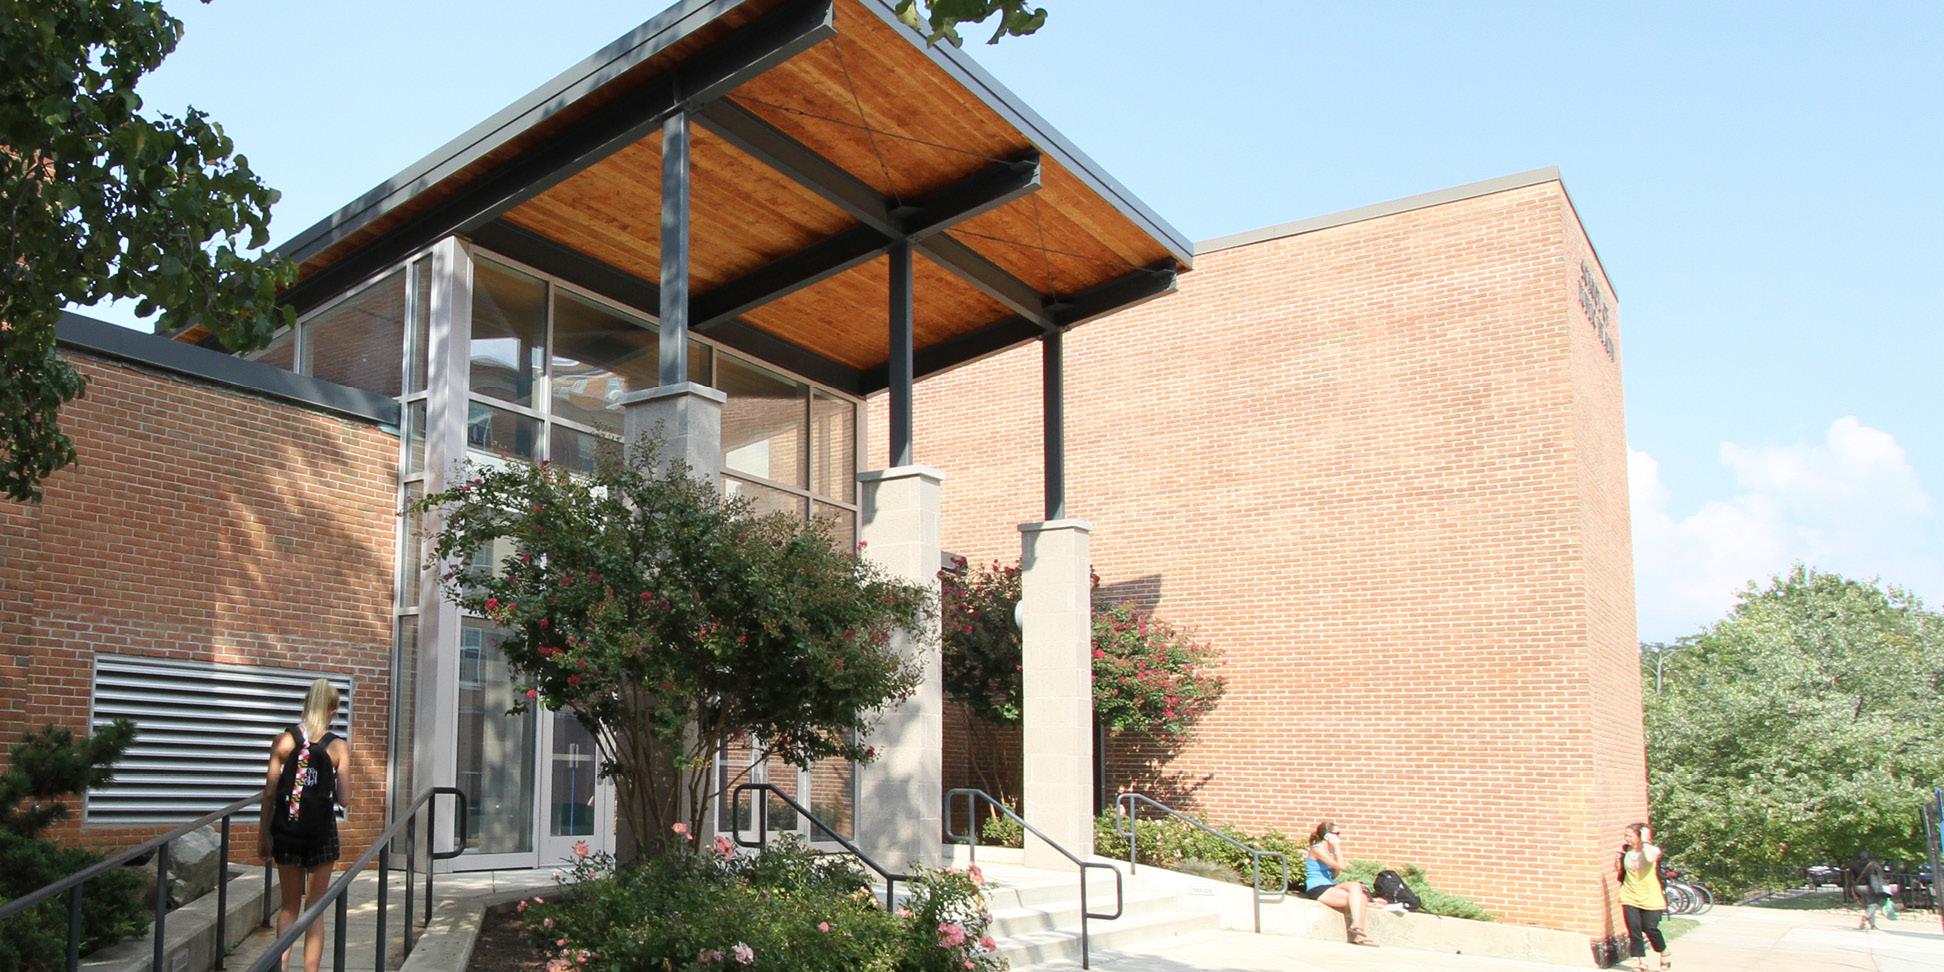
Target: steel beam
point(1053, 421)
point(771, 39)
point(980, 192)
point(673, 368)
point(742, 128)
point(898, 364)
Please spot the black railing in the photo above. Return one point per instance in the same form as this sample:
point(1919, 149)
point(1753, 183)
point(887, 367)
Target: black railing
point(971, 838)
point(1126, 804)
point(1934, 848)
point(159, 846)
point(761, 842)
point(338, 895)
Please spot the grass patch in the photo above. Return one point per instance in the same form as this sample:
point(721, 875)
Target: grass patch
point(1831, 900)
point(1673, 928)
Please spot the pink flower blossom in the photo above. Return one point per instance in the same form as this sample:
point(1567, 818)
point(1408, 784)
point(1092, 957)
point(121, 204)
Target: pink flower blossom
point(951, 934)
point(724, 848)
point(977, 876)
point(986, 942)
point(823, 926)
point(681, 830)
point(539, 900)
point(533, 693)
point(521, 907)
point(562, 943)
point(743, 953)
point(580, 848)
point(904, 912)
point(549, 923)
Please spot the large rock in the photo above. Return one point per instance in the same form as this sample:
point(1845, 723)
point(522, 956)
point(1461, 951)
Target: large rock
point(195, 859)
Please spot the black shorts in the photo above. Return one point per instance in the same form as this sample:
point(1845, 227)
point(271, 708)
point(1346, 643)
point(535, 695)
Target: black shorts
point(296, 850)
point(1316, 891)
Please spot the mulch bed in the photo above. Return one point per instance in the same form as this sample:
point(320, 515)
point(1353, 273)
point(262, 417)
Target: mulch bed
point(504, 944)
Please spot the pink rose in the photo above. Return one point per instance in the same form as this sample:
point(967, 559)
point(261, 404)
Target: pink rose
point(951, 934)
point(533, 693)
point(724, 847)
point(521, 907)
point(580, 848)
point(986, 942)
point(743, 953)
point(823, 926)
point(977, 876)
point(680, 829)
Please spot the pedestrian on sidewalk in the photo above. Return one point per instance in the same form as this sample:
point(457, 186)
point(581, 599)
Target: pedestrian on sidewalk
point(308, 779)
point(1320, 868)
point(1643, 898)
point(1871, 889)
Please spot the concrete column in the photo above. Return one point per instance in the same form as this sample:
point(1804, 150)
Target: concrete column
point(900, 795)
point(687, 417)
point(1057, 687)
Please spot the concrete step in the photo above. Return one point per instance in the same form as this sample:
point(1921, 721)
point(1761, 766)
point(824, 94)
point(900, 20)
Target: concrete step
point(1065, 914)
point(1032, 948)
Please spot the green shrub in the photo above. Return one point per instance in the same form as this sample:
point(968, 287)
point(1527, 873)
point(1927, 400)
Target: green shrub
point(1002, 831)
point(42, 767)
point(1180, 846)
point(789, 908)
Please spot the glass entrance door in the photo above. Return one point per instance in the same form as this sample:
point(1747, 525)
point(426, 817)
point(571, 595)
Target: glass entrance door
point(495, 755)
point(578, 804)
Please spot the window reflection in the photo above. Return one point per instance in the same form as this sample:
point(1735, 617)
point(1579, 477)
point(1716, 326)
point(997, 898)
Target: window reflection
point(508, 333)
point(358, 340)
point(598, 356)
point(763, 422)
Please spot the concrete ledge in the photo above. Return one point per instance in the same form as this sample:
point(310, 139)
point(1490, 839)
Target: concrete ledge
point(189, 938)
point(1298, 917)
point(447, 944)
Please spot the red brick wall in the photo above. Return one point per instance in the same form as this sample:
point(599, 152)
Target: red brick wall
point(1380, 465)
point(201, 523)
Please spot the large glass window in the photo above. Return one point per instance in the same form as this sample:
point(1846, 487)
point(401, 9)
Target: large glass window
point(421, 325)
point(509, 325)
point(833, 446)
point(763, 422)
point(358, 340)
point(281, 352)
point(598, 356)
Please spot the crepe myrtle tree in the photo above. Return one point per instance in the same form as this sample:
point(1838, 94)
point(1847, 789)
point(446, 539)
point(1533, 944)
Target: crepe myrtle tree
point(671, 622)
point(1149, 677)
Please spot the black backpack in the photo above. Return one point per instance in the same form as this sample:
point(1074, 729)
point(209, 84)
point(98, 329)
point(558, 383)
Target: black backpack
point(1390, 886)
point(315, 814)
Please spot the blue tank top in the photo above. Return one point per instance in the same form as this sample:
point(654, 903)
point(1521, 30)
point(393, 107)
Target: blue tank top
point(1317, 874)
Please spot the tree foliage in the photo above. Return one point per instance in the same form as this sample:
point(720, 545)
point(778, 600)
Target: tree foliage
point(940, 19)
point(673, 622)
point(1801, 728)
point(43, 768)
point(103, 202)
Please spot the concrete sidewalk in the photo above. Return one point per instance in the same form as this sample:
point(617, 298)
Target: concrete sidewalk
point(1234, 951)
point(1733, 939)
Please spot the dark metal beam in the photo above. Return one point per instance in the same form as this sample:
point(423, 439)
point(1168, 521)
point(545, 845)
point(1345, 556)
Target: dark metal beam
point(1128, 290)
point(629, 290)
point(744, 54)
point(977, 193)
point(1053, 421)
point(673, 368)
point(742, 128)
point(898, 366)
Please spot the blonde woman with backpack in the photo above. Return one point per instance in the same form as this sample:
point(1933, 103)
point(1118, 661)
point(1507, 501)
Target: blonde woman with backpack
point(308, 778)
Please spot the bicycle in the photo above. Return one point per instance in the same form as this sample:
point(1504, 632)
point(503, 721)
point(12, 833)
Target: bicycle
point(1685, 897)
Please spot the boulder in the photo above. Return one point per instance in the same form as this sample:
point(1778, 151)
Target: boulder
point(195, 859)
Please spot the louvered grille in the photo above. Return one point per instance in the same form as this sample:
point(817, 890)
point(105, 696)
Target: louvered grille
point(204, 737)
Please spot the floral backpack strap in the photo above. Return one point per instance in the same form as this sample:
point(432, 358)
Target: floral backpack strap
point(296, 801)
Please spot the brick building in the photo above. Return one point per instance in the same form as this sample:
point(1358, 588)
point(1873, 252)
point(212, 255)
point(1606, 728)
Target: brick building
point(1378, 459)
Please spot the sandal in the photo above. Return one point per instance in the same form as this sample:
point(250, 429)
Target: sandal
point(1357, 937)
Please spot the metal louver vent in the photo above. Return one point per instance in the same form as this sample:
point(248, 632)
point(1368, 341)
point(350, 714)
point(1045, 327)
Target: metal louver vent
point(204, 737)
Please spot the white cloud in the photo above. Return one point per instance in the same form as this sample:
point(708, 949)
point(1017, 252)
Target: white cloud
point(1850, 503)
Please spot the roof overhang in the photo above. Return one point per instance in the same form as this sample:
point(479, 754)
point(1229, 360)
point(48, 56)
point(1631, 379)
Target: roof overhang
point(826, 131)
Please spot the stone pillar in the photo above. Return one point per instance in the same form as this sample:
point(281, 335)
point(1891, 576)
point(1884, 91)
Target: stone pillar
point(1057, 687)
point(900, 795)
point(687, 417)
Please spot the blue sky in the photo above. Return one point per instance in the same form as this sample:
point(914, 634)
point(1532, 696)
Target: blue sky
point(1762, 182)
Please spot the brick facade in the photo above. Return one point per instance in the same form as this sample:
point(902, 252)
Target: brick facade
point(1381, 464)
point(203, 524)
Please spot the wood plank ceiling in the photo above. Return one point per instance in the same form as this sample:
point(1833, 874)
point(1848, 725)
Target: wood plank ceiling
point(874, 104)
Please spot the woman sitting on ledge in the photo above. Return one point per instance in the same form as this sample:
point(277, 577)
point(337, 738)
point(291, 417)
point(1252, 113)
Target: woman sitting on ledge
point(1320, 868)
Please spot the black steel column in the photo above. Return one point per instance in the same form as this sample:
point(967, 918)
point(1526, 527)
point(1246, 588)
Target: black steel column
point(1053, 423)
point(675, 249)
point(900, 364)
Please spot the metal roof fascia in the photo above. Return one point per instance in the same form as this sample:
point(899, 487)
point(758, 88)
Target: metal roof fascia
point(152, 350)
point(656, 35)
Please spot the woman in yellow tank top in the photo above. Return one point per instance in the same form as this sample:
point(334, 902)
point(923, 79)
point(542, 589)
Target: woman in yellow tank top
point(1642, 900)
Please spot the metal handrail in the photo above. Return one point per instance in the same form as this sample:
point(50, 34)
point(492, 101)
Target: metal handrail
point(160, 846)
point(971, 838)
point(339, 893)
point(762, 833)
point(1125, 804)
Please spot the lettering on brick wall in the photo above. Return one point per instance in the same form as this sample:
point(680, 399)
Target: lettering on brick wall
point(1598, 312)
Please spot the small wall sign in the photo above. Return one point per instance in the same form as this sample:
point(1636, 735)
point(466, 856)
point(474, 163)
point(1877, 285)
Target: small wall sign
point(1598, 312)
